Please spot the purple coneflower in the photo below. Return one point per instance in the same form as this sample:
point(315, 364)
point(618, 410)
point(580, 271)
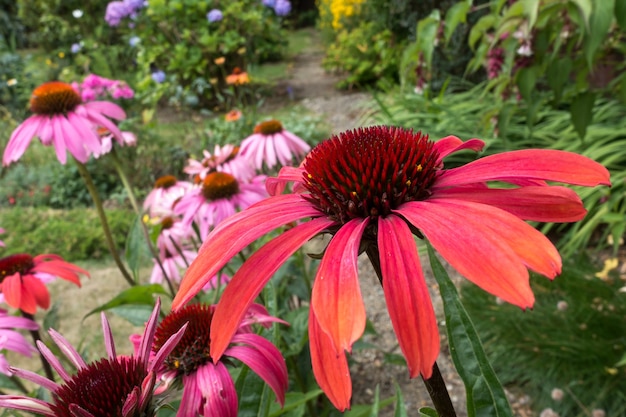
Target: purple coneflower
point(166, 192)
point(271, 143)
point(227, 158)
point(64, 121)
point(373, 189)
point(112, 386)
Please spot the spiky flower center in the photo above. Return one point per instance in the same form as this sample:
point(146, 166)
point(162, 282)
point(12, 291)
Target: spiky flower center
point(218, 185)
point(20, 262)
point(101, 388)
point(165, 182)
point(368, 172)
point(193, 349)
point(54, 97)
point(269, 127)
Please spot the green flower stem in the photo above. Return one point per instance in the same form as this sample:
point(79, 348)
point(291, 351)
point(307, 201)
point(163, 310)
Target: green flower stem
point(435, 385)
point(37, 337)
point(146, 233)
point(93, 191)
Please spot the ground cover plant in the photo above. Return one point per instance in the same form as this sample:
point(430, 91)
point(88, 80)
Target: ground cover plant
point(237, 233)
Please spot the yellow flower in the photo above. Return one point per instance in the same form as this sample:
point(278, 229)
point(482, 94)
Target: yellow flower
point(220, 60)
point(609, 265)
point(61, 55)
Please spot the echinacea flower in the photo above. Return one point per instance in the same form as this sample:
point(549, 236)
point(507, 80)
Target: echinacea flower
point(166, 191)
point(23, 279)
point(227, 158)
point(373, 189)
point(208, 388)
point(64, 121)
point(10, 339)
point(112, 386)
point(106, 141)
point(238, 77)
point(271, 143)
point(219, 196)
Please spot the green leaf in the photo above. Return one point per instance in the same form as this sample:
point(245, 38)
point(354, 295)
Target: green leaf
point(485, 396)
point(455, 15)
point(481, 27)
point(428, 412)
point(526, 80)
point(361, 410)
point(557, 76)
point(137, 250)
point(599, 26)
point(140, 294)
point(252, 394)
point(426, 34)
point(7, 383)
point(400, 409)
point(293, 400)
point(135, 314)
point(581, 112)
point(620, 13)
point(584, 6)
point(531, 9)
point(376, 405)
point(622, 89)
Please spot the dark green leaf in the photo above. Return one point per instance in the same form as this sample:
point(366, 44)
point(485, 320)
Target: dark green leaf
point(426, 34)
point(135, 314)
point(361, 410)
point(599, 25)
point(141, 294)
point(292, 401)
point(252, 394)
point(400, 409)
point(557, 76)
point(485, 396)
point(137, 249)
point(526, 80)
point(581, 112)
point(454, 16)
point(620, 13)
point(428, 412)
point(376, 405)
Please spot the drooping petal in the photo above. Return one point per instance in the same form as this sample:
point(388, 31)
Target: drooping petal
point(535, 203)
point(192, 398)
point(30, 405)
point(408, 301)
point(107, 108)
point(264, 359)
point(474, 250)
point(276, 185)
point(330, 366)
point(218, 388)
point(235, 233)
point(12, 290)
point(336, 297)
point(539, 164)
point(20, 139)
point(451, 144)
point(250, 279)
point(33, 288)
point(59, 268)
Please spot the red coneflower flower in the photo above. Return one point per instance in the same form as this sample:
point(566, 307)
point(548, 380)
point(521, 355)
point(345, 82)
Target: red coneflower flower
point(373, 189)
point(62, 120)
point(23, 279)
point(115, 386)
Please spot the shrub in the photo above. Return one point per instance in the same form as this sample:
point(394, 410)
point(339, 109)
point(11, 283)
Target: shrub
point(74, 234)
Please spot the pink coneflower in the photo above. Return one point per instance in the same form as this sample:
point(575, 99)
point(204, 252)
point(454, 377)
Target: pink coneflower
point(271, 143)
point(218, 197)
point(23, 279)
point(373, 189)
point(208, 388)
point(106, 141)
point(62, 120)
point(112, 386)
point(173, 263)
point(13, 340)
point(225, 158)
point(166, 192)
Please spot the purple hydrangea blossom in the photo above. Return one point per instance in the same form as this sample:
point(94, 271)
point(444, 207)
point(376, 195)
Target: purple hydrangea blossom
point(115, 12)
point(269, 3)
point(282, 7)
point(158, 76)
point(134, 5)
point(214, 15)
point(75, 48)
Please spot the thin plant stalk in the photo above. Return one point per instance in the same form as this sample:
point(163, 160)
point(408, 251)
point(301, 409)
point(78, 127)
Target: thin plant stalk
point(95, 196)
point(133, 201)
point(435, 385)
point(37, 337)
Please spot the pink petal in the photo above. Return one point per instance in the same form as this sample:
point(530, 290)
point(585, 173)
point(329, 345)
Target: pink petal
point(408, 301)
point(264, 359)
point(109, 342)
point(452, 144)
point(336, 298)
point(472, 248)
point(330, 366)
point(538, 164)
point(58, 139)
point(535, 203)
point(36, 378)
point(107, 108)
point(218, 388)
point(53, 361)
point(67, 349)
point(20, 139)
point(237, 232)
point(28, 404)
point(275, 186)
point(145, 347)
point(250, 279)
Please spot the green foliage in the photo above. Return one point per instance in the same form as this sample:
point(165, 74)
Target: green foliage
point(74, 234)
point(367, 54)
point(571, 340)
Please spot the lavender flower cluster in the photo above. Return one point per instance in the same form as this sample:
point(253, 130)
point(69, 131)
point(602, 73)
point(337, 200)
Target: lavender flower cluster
point(118, 10)
point(281, 7)
point(95, 87)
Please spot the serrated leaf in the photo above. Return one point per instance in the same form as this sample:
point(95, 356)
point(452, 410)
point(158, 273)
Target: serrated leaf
point(581, 112)
point(454, 16)
point(599, 25)
point(485, 395)
point(140, 294)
